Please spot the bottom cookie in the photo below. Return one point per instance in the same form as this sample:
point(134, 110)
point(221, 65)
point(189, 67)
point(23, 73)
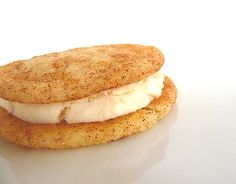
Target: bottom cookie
point(64, 135)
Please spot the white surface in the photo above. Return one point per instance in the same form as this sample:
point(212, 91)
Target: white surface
point(194, 144)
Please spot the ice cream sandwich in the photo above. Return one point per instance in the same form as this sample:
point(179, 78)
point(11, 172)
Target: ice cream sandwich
point(83, 96)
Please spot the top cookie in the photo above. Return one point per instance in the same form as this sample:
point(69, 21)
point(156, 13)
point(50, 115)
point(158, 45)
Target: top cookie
point(77, 73)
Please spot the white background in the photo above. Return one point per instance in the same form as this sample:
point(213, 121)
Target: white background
point(194, 144)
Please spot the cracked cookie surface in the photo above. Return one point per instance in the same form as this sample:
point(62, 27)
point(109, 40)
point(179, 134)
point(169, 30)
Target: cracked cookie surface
point(77, 73)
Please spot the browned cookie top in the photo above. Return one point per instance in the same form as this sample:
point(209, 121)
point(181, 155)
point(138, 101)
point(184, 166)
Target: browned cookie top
point(77, 73)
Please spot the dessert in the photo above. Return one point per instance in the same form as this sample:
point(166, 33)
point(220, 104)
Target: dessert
point(83, 96)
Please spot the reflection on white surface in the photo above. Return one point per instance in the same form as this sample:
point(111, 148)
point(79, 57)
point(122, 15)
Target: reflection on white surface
point(122, 161)
point(6, 175)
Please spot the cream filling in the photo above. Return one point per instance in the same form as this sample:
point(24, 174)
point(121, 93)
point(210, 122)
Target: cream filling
point(99, 107)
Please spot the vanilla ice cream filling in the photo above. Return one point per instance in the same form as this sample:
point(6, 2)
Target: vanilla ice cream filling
point(95, 108)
